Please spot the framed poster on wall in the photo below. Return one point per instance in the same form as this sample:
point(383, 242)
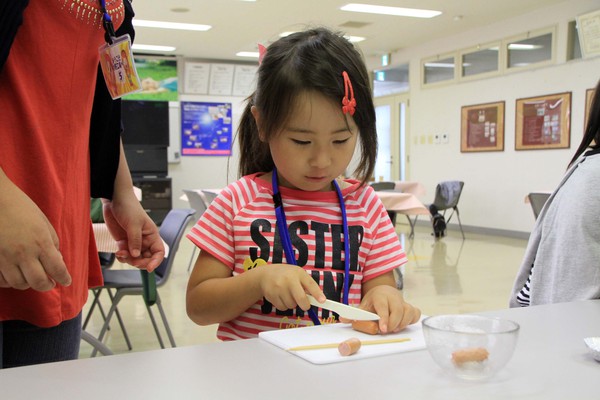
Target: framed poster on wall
point(589, 94)
point(482, 127)
point(205, 129)
point(588, 29)
point(543, 122)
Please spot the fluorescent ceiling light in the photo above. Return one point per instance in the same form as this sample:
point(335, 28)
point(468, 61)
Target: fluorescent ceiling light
point(251, 54)
point(352, 39)
point(399, 11)
point(523, 46)
point(150, 47)
point(439, 65)
point(170, 25)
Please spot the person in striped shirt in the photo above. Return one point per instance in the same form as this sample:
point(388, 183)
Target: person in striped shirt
point(297, 135)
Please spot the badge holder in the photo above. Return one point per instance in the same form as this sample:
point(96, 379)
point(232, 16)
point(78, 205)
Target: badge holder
point(116, 61)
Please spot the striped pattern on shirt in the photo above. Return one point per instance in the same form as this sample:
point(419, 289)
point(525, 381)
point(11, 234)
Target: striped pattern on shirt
point(239, 229)
point(523, 296)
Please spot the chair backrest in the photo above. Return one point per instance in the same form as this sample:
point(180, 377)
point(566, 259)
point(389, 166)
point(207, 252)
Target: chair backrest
point(383, 185)
point(171, 231)
point(447, 194)
point(209, 195)
point(196, 201)
point(537, 201)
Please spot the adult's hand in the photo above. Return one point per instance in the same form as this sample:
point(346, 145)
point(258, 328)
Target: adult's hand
point(29, 247)
point(136, 234)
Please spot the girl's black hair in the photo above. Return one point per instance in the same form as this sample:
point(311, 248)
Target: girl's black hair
point(308, 61)
point(591, 137)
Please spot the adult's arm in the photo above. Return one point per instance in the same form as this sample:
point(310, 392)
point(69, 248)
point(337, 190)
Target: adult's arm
point(105, 127)
point(136, 234)
point(11, 18)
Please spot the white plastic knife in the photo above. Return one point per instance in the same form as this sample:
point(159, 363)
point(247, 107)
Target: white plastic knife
point(344, 310)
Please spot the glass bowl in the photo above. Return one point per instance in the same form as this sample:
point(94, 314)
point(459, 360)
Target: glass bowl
point(470, 347)
point(593, 344)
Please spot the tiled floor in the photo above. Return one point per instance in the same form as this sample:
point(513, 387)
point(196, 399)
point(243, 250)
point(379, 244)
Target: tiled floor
point(450, 275)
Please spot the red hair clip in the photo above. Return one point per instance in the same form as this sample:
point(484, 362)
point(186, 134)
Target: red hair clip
point(262, 50)
point(348, 104)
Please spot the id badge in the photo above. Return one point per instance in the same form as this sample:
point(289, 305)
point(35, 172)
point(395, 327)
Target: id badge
point(118, 67)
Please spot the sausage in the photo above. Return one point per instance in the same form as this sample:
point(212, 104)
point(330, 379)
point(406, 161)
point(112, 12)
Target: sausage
point(368, 327)
point(476, 354)
point(349, 346)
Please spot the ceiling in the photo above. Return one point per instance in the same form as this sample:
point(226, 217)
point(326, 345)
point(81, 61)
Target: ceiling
point(239, 25)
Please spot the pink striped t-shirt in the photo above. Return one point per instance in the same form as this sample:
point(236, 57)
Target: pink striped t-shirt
point(239, 229)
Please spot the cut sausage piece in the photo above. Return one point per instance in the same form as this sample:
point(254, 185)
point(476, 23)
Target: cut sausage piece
point(475, 354)
point(368, 327)
point(349, 347)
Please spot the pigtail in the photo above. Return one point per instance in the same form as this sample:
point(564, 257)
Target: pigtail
point(254, 154)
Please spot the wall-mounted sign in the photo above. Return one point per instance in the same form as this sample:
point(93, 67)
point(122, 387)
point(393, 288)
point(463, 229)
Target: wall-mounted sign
point(206, 129)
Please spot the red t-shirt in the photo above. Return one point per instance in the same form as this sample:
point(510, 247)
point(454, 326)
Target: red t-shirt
point(239, 229)
point(46, 93)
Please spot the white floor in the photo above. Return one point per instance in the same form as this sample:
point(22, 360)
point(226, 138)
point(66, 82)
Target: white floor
point(444, 276)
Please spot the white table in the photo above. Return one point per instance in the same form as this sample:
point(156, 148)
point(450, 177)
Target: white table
point(412, 187)
point(403, 203)
point(399, 202)
point(550, 362)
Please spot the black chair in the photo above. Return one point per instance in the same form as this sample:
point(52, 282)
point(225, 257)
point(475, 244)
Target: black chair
point(107, 260)
point(447, 195)
point(537, 201)
point(134, 282)
point(385, 185)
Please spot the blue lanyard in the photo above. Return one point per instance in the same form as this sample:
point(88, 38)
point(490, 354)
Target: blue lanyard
point(287, 243)
point(107, 22)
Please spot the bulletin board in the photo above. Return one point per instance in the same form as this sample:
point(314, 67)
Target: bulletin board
point(206, 129)
point(543, 122)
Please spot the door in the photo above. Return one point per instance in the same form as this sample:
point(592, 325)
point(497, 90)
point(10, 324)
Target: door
point(392, 123)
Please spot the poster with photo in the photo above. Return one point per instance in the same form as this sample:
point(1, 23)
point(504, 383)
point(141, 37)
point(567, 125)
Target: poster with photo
point(159, 79)
point(206, 129)
point(482, 127)
point(543, 122)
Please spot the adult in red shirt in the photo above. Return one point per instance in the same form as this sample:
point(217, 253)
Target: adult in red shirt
point(48, 257)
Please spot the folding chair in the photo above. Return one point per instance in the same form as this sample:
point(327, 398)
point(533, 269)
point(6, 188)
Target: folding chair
point(198, 203)
point(447, 195)
point(537, 201)
point(133, 282)
point(387, 186)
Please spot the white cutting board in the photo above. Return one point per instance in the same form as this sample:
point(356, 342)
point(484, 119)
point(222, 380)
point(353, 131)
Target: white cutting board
point(336, 333)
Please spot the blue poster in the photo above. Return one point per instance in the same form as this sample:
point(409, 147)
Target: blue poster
point(205, 129)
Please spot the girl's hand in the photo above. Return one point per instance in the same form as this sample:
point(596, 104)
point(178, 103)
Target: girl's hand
point(387, 302)
point(285, 286)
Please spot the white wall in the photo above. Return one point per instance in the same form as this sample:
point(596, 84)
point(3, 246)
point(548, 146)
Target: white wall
point(496, 182)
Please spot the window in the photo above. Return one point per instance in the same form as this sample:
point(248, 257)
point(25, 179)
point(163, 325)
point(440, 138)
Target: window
point(573, 47)
point(531, 49)
point(480, 60)
point(390, 81)
point(439, 69)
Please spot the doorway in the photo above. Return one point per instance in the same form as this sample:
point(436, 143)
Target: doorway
point(392, 123)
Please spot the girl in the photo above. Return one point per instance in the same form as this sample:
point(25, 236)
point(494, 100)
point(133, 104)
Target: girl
point(561, 260)
point(290, 226)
